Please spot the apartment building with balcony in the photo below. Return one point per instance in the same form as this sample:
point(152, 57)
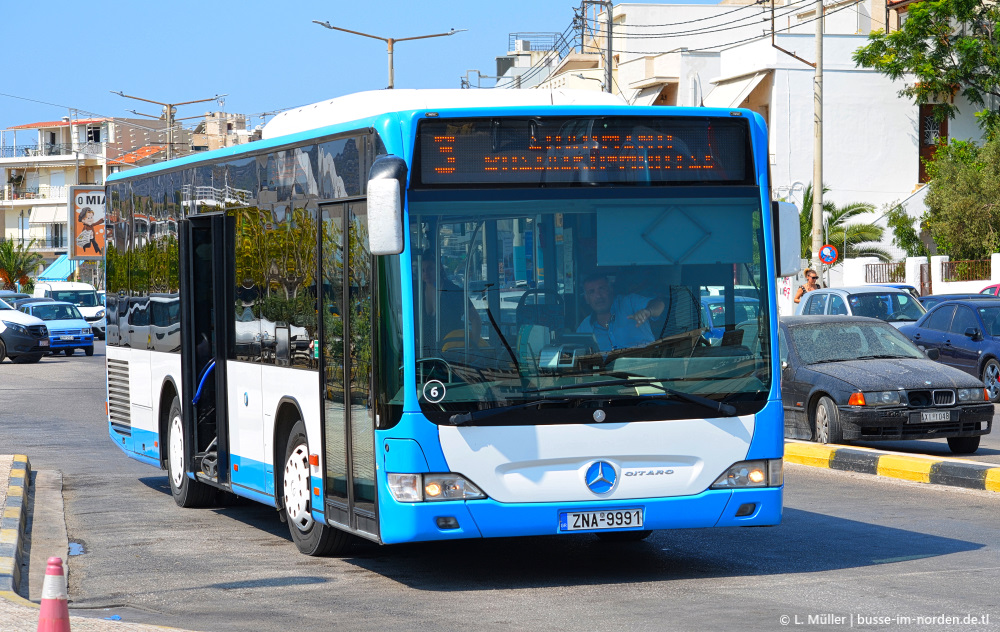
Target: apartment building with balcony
point(40, 161)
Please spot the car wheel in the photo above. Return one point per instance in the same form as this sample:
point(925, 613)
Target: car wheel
point(68, 352)
point(963, 445)
point(3, 351)
point(311, 537)
point(187, 492)
point(27, 359)
point(991, 378)
point(826, 422)
point(89, 351)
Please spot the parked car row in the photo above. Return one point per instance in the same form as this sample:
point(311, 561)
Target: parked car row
point(936, 375)
point(32, 326)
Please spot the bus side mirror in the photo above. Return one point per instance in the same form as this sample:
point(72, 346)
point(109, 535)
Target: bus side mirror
point(787, 238)
point(386, 183)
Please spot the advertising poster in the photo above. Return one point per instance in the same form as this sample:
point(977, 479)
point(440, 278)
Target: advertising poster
point(86, 219)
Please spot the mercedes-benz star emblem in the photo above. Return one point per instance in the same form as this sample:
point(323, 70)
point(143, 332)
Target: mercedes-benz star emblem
point(601, 477)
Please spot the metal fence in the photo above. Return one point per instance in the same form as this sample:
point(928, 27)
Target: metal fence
point(885, 273)
point(979, 270)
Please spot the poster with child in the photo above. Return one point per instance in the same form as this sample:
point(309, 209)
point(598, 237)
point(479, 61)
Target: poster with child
point(87, 211)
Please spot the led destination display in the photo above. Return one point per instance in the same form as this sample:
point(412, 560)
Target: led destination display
point(572, 151)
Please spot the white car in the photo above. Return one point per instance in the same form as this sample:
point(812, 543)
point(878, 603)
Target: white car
point(895, 306)
point(84, 296)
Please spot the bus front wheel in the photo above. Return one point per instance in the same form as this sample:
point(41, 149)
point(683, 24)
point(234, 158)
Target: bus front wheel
point(187, 491)
point(311, 537)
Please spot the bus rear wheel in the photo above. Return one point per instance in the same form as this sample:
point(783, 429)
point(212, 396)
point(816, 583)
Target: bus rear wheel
point(310, 537)
point(187, 492)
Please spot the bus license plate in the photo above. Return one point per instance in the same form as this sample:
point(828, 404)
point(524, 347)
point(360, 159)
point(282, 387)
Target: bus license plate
point(937, 416)
point(590, 520)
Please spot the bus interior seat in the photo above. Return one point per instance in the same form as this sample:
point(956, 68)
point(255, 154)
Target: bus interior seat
point(541, 307)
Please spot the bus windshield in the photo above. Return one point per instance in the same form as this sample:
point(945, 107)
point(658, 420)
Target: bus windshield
point(587, 299)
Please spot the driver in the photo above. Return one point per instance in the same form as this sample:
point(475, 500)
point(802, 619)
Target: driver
point(617, 322)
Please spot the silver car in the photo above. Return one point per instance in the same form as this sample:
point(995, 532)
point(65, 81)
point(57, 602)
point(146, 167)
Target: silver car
point(895, 306)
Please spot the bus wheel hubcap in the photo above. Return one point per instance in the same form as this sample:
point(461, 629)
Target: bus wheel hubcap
point(296, 488)
point(176, 452)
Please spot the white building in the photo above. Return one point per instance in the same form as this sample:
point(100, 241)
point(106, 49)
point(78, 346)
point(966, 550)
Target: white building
point(722, 56)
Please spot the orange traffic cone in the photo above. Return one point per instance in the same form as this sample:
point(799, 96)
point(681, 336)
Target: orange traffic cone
point(54, 615)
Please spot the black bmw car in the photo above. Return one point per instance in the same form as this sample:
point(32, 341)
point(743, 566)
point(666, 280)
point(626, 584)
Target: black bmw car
point(850, 378)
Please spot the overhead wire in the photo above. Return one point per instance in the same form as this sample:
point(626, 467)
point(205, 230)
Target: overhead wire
point(743, 22)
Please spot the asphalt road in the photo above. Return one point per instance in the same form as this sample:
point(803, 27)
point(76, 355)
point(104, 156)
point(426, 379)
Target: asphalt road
point(850, 545)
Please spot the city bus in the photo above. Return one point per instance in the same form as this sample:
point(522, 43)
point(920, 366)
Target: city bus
point(431, 315)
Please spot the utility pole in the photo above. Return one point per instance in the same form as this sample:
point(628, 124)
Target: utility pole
point(609, 54)
point(817, 210)
point(168, 112)
point(390, 42)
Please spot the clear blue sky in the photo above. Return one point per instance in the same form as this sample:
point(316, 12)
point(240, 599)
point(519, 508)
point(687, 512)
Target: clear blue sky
point(265, 55)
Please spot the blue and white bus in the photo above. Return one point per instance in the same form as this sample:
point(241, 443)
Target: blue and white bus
point(430, 315)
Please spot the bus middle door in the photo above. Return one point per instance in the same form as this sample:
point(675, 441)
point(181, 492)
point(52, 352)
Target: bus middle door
point(206, 247)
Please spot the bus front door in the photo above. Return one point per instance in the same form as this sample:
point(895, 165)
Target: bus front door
point(206, 247)
point(348, 417)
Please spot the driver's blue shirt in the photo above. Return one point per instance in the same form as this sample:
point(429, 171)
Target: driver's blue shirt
point(621, 331)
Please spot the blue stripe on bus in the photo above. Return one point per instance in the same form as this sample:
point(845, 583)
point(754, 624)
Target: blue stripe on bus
point(248, 473)
point(489, 518)
point(253, 494)
point(768, 440)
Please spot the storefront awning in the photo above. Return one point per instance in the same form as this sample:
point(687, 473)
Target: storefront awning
point(47, 215)
point(648, 96)
point(732, 93)
point(59, 270)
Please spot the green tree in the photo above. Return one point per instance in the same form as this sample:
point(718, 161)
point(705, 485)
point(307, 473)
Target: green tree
point(860, 238)
point(904, 235)
point(947, 45)
point(964, 200)
point(16, 263)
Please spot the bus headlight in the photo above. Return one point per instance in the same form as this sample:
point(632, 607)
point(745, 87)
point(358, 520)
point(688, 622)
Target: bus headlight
point(761, 473)
point(414, 488)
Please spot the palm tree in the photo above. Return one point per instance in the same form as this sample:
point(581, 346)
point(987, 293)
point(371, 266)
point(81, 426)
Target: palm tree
point(16, 263)
point(861, 239)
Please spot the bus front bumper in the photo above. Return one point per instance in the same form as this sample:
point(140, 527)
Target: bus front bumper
point(491, 519)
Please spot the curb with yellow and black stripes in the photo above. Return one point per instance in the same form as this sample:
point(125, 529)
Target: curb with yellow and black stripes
point(907, 467)
point(12, 523)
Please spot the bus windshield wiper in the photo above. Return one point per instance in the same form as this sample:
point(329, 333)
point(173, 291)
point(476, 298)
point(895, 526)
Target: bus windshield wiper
point(638, 380)
point(460, 419)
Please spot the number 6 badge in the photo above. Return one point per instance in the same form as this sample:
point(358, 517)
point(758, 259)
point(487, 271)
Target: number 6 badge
point(434, 391)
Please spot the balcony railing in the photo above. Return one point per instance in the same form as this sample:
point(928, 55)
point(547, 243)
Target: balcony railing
point(51, 149)
point(47, 243)
point(41, 192)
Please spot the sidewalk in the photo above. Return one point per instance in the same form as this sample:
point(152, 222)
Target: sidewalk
point(16, 613)
point(935, 470)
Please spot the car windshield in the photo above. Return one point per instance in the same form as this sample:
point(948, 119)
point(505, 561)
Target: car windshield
point(81, 298)
point(56, 312)
point(888, 306)
point(4, 305)
point(837, 342)
point(513, 298)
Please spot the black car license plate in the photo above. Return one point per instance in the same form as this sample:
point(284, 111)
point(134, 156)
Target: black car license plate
point(933, 416)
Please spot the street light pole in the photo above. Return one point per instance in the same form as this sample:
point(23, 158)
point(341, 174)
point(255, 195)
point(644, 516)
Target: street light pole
point(168, 110)
point(390, 42)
